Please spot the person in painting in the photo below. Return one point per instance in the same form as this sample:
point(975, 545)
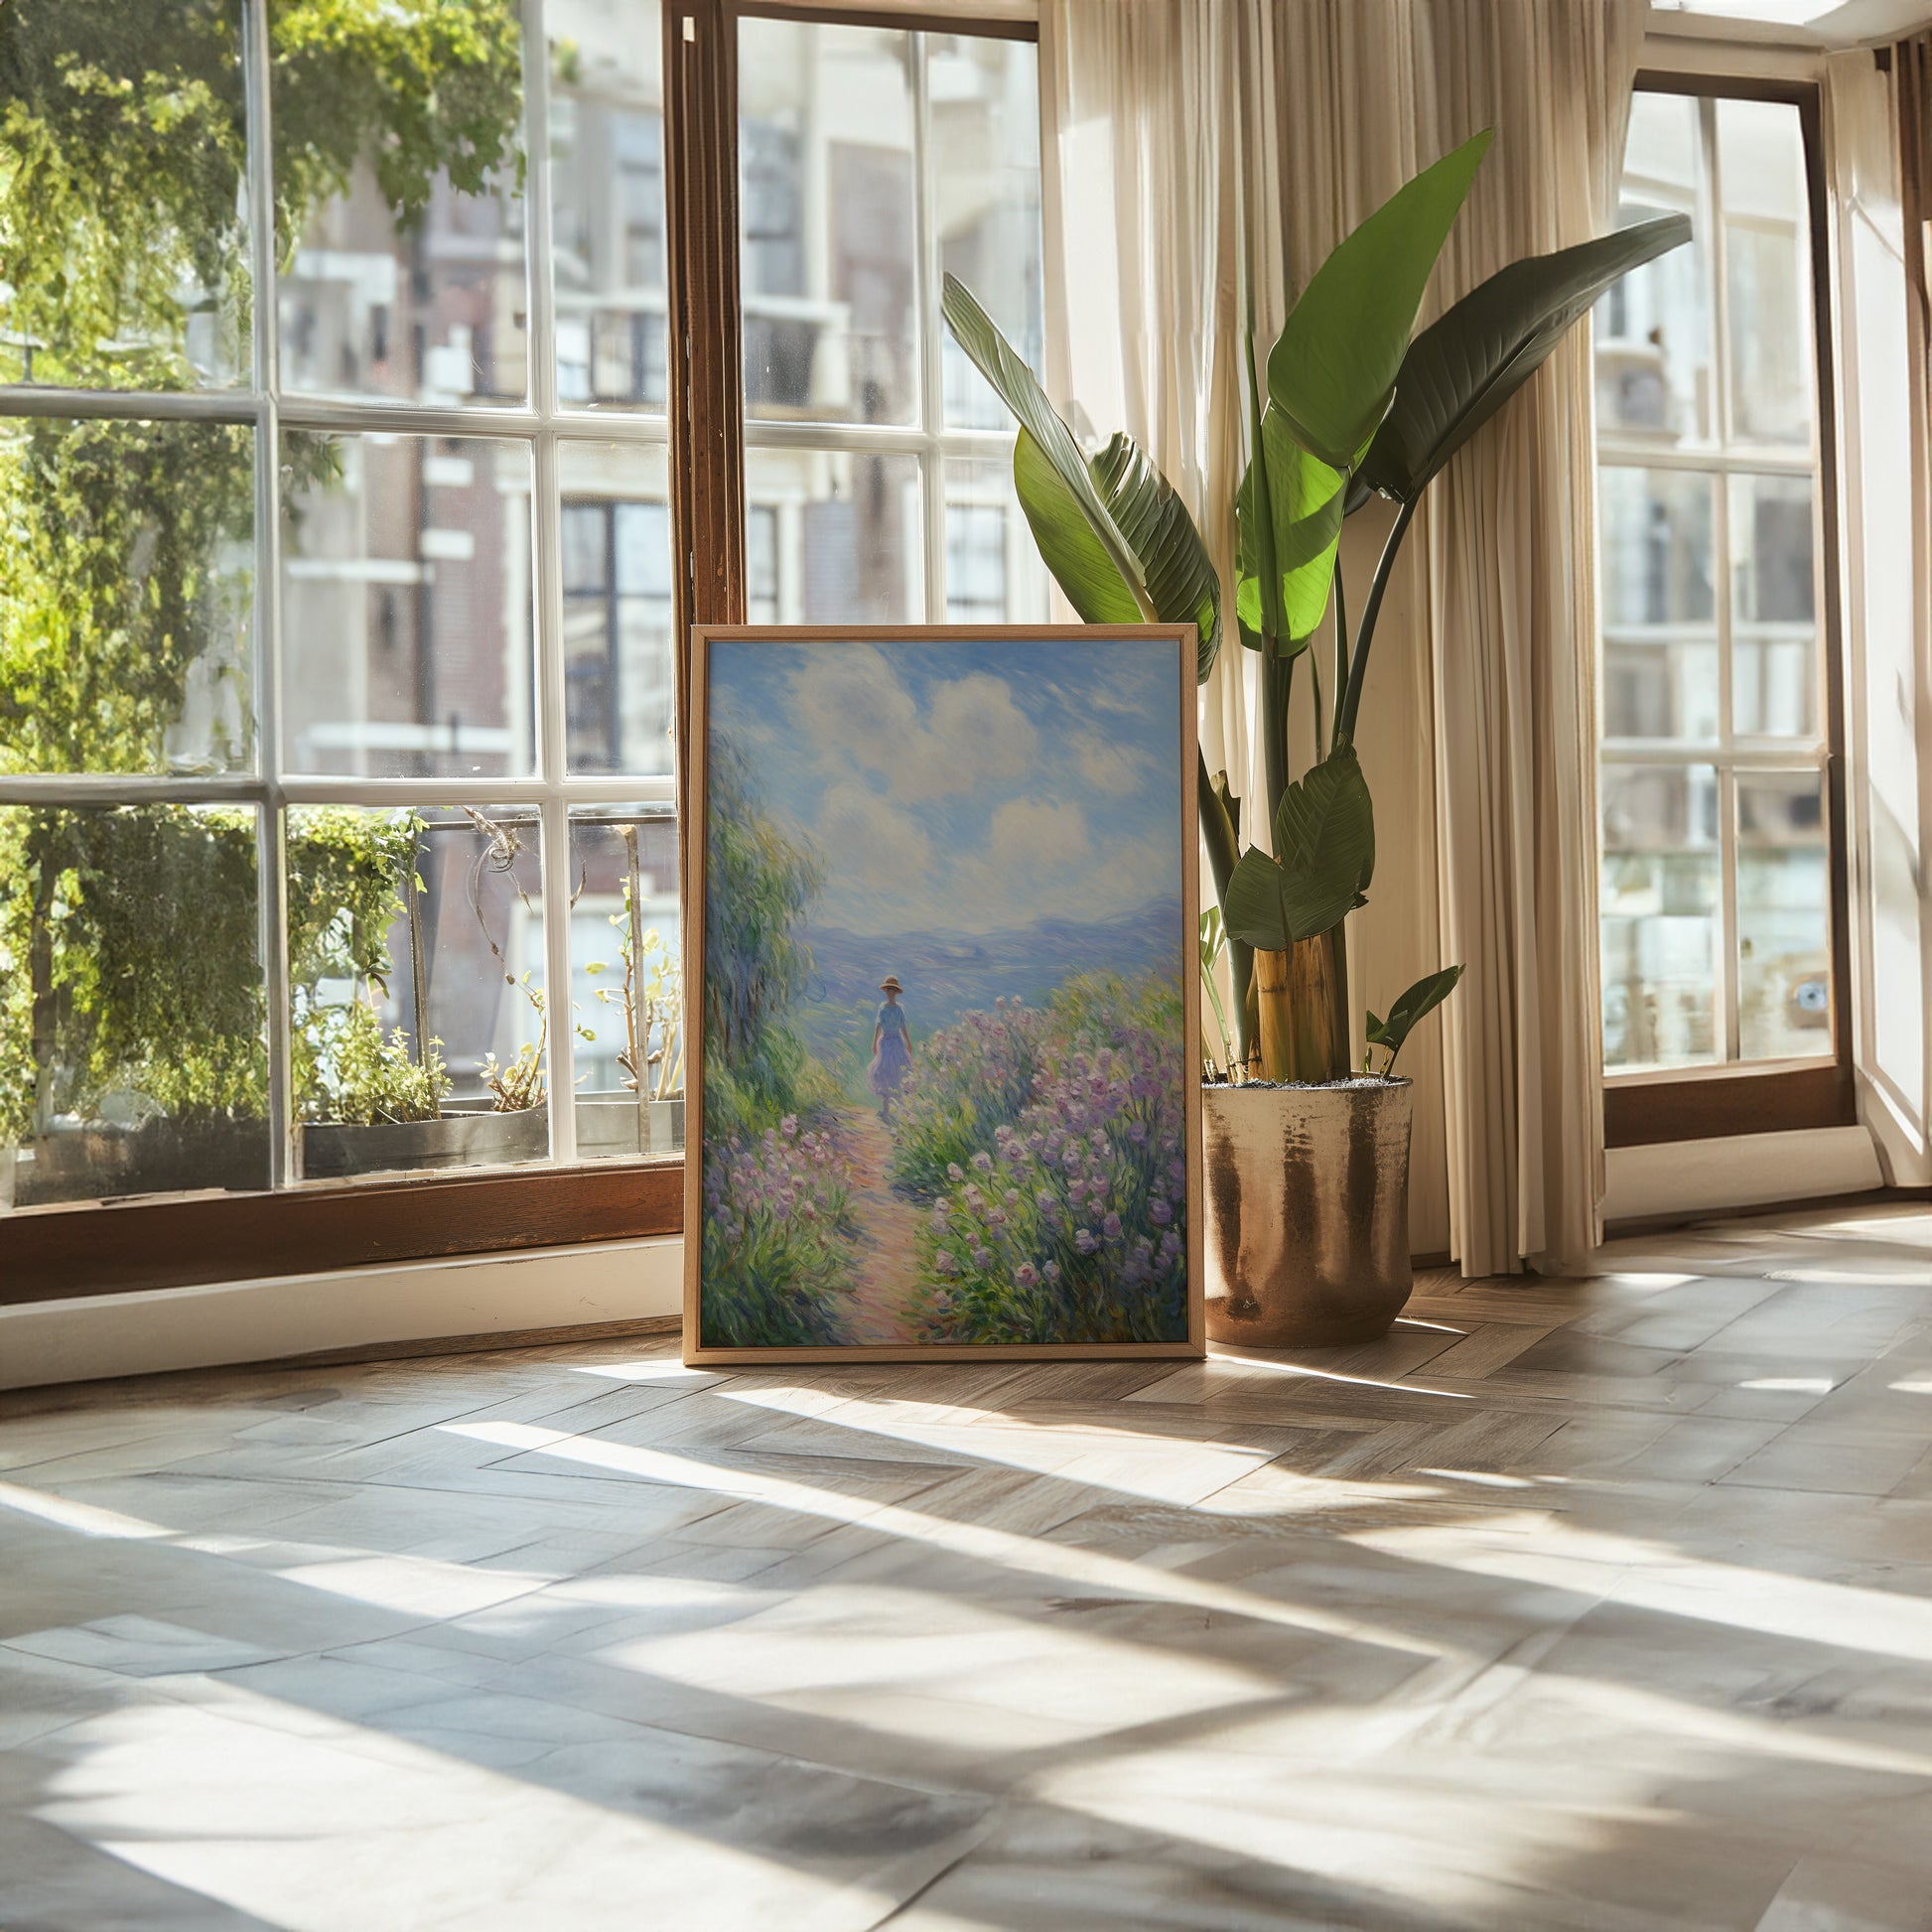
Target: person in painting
point(891, 1047)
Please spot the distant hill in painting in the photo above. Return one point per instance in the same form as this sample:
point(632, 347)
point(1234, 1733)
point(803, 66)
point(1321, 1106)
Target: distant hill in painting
point(946, 973)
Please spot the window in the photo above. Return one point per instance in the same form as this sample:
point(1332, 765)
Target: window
point(338, 835)
point(877, 465)
point(1721, 887)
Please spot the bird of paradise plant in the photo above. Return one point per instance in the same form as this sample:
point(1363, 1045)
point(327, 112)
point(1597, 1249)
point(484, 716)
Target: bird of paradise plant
point(1352, 407)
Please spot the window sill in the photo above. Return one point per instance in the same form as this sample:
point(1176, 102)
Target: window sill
point(58, 1253)
point(1708, 1105)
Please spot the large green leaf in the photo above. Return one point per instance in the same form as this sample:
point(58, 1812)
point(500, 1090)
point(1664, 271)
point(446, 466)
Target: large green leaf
point(1180, 576)
point(1068, 544)
point(1306, 497)
point(1253, 904)
point(1015, 383)
point(1469, 363)
point(1332, 370)
point(1420, 998)
point(1324, 833)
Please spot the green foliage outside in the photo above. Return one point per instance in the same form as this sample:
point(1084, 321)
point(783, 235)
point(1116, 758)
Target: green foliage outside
point(129, 951)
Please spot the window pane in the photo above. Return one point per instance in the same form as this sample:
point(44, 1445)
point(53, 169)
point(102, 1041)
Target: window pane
point(826, 232)
point(126, 590)
point(627, 984)
point(1660, 688)
point(984, 153)
point(1653, 329)
point(398, 141)
point(1656, 547)
point(131, 1004)
point(1767, 254)
point(846, 534)
point(1774, 661)
point(621, 681)
point(1659, 911)
point(122, 164)
point(607, 157)
point(406, 605)
point(992, 570)
point(1784, 937)
point(417, 988)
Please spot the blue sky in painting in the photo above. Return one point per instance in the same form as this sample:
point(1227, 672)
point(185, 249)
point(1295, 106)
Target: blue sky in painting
point(968, 786)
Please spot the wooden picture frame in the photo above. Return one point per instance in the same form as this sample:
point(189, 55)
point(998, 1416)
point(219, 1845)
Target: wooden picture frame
point(1171, 650)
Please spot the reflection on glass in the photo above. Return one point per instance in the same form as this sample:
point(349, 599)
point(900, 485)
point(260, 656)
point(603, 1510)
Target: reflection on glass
point(626, 981)
point(1784, 940)
point(607, 159)
point(844, 538)
point(1660, 688)
point(826, 228)
point(131, 1042)
point(1773, 653)
point(406, 605)
point(1767, 256)
point(994, 574)
point(123, 245)
point(1656, 546)
point(398, 140)
point(417, 988)
point(1653, 328)
point(620, 690)
point(982, 153)
point(1659, 907)
point(126, 586)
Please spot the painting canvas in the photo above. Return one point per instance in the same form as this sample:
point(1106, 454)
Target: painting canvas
point(941, 914)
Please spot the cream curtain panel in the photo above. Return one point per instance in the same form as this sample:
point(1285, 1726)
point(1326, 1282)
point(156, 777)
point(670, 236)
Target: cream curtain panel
point(1181, 137)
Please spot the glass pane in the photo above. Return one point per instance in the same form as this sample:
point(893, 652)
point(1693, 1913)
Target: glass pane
point(994, 574)
point(1660, 688)
point(131, 1042)
point(1660, 909)
point(626, 982)
point(1767, 256)
point(620, 683)
point(983, 150)
point(122, 165)
point(844, 540)
point(1656, 547)
point(406, 605)
point(1784, 925)
point(399, 153)
point(126, 596)
point(826, 232)
point(1773, 653)
point(417, 988)
point(1653, 328)
point(607, 160)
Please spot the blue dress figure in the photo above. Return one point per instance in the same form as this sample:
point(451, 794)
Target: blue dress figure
point(891, 1047)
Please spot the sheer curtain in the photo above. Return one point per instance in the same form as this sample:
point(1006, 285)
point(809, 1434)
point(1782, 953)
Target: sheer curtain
point(1179, 133)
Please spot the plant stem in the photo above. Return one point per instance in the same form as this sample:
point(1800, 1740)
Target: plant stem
point(1276, 684)
point(1223, 849)
point(1358, 665)
point(1341, 658)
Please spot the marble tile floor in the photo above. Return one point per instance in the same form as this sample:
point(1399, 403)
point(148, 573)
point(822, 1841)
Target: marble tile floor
point(1595, 1604)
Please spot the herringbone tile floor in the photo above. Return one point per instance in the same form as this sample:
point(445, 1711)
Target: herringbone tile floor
point(1571, 1604)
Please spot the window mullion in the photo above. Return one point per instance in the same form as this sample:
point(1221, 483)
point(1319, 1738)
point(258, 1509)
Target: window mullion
point(271, 897)
point(933, 398)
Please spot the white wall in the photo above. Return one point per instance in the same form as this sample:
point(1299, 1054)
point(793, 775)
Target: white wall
point(88, 1338)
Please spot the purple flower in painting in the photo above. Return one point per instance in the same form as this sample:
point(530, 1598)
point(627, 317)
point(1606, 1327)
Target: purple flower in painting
point(982, 1258)
point(1026, 1275)
point(983, 1162)
point(1159, 1213)
point(1084, 1241)
point(1110, 1227)
point(944, 1262)
point(955, 1171)
point(1051, 1270)
point(789, 1127)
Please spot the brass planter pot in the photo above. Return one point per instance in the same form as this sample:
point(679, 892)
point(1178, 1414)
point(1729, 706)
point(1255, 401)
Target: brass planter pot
point(1307, 1212)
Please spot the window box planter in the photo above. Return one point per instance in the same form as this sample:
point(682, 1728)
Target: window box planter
point(469, 1134)
point(609, 1126)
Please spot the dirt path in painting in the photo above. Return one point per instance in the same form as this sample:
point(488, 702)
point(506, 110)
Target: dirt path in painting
point(887, 1260)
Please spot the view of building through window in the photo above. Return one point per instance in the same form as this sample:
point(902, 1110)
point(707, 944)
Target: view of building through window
point(370, 587)
point(1714, 897)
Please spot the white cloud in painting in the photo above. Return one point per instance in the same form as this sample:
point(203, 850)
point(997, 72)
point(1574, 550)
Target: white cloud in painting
point(854, 704)
point(1116, 770)
point(1038, 836)
point(872, 843)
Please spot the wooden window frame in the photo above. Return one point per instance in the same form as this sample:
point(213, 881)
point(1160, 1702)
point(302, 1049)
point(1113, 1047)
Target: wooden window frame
point(74, 1249)
point(1720, 1101)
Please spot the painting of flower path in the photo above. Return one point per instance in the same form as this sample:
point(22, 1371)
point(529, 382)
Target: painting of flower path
point(946, 948)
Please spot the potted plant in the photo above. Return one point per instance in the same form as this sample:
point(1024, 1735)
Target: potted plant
point(1307, 1160)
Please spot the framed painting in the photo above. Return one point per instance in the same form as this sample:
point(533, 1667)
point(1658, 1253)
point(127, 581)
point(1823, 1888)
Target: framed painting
point(941, 953)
